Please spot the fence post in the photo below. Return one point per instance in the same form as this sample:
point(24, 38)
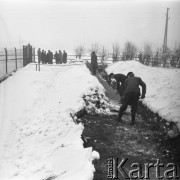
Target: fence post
point(34, 55)
point(158, 59)
point(30, 54)
point(6, 60)
point(39, 63)
point(16, 57)
point(27, 54)
point(24, 55)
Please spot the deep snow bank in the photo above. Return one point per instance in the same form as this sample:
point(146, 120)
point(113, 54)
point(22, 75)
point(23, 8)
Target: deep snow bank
point(163, 86)
point(38, 138)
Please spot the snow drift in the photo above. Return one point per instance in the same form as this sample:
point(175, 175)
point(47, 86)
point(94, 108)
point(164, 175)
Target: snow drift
point(38, 138)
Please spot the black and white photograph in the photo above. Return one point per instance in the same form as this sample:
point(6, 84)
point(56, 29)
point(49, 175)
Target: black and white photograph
point(89, 89)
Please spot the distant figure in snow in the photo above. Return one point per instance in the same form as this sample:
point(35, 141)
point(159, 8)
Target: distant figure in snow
point(60, 57)
point(120, 83)
point(39, 55)
point(56, 57)
point(64, 57)
point(50, 57)
point(140, 56)
point(94, 64)
point(131, 96)
point(43, 56)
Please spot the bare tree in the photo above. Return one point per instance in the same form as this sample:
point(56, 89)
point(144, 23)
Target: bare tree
point(79, 50)
point(116, 52)
point(103, 54)
point(94, 48)
point(147, 53)
point(130, 50)
point(166, 57)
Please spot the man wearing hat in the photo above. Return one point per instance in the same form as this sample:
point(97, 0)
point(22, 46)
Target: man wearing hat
point(131, 96)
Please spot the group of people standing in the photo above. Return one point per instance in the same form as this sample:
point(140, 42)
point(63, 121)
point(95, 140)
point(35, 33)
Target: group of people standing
point(47, 57)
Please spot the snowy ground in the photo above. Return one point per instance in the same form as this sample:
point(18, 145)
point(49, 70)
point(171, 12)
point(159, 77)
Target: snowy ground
point(38, 138)
point(163, 86)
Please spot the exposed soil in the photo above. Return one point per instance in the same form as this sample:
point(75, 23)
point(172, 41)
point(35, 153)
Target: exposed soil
point(138, 143)
point(145, 142)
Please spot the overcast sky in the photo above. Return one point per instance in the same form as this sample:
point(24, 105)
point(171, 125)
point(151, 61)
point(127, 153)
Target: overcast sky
point(57, 24)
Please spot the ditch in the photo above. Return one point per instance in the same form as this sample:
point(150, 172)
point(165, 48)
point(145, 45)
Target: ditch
point(145, 142)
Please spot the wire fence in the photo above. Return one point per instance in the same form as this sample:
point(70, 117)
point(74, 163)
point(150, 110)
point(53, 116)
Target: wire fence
point(13, 59)
point(156, 60)
point(10, 60)
point(161, 60)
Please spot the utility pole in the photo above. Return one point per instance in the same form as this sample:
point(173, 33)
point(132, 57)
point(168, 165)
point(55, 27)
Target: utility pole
point(166, 31)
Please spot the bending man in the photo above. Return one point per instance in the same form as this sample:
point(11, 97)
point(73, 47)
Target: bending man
point(131, 95)
point(120, 82)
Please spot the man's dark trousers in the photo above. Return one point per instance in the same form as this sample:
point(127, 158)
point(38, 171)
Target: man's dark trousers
point(130, 98)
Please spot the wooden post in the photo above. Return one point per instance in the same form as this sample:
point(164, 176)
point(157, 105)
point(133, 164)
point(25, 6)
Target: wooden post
point(16, 57)
point(24, 55)
point(39, 64)
point(34, 53)
point(6, 60)
point(30, 54)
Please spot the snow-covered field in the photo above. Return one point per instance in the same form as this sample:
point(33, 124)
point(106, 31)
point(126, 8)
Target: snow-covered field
point(163, 87)
point(38, 138)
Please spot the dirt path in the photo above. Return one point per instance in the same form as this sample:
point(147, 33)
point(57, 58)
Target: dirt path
point(141, 143)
